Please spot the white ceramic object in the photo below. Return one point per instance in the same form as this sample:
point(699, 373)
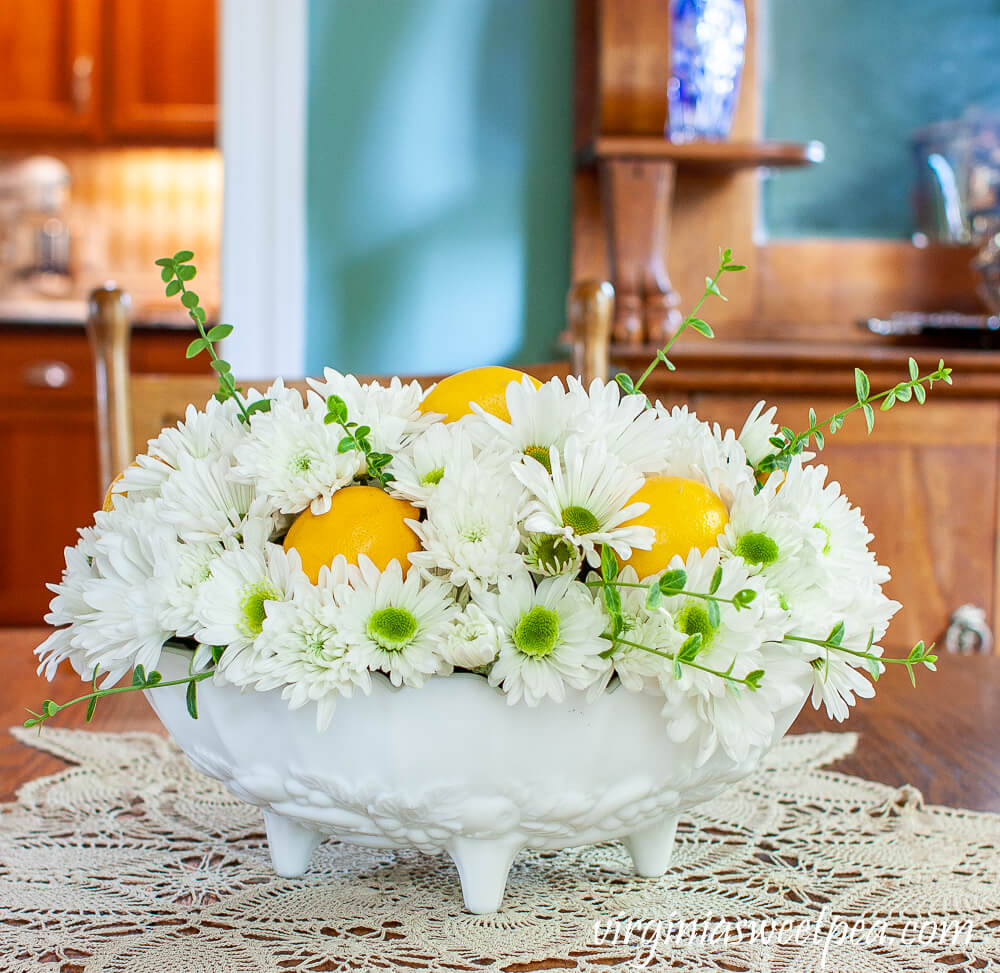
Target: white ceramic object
point(451, 767)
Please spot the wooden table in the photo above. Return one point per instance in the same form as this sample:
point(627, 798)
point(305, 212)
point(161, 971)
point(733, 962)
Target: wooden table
point(941, 737)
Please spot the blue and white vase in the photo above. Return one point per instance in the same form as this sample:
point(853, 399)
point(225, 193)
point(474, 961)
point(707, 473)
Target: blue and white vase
point(707, 42)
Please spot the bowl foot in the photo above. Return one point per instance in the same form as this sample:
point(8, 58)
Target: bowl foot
point(652, 846)
point(291, 844)
point(483, 865)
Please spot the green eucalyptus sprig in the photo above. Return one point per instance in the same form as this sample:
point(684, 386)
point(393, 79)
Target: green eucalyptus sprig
point(356, 437)
point(920, 654)
point(176, 272)
point(141, 680)
point(692, 321)
point(789, 444)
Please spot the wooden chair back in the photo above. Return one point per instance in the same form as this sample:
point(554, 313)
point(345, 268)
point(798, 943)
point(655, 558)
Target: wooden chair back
point(132, 409)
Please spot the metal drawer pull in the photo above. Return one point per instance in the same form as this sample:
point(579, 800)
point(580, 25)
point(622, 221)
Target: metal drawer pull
point(968, 632)
point(48, 375)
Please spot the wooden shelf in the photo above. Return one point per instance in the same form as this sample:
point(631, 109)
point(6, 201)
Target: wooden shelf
point(716, 156)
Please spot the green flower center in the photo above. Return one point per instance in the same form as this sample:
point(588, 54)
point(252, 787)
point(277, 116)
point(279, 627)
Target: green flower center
point(474, 533)
point(541, 453)
point(302, 463)
point(432, 477)
point(756, 548)
point(580, 520)
point(554, 553)
point(392, 629)
point(252, 607)
point(537, 632)
point(826, 530)
point(693, 619)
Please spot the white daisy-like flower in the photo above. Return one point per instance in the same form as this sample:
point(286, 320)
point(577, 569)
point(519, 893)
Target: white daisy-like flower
point(761, 535)
point(548, 555)
point(444, 449)
point(471, 535)
point(301, 650)
point(392, 411)
point(291, 457)
point(203, 500)
point(540, 418)
point(550, 638)
point(472, 640)
point(755, 436)
point(624, 423)
point(180, 577)
point(585, 499)
point(395, 625)
point(233, 603)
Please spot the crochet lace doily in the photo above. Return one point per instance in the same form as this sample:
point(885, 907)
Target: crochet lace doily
point(132, 862)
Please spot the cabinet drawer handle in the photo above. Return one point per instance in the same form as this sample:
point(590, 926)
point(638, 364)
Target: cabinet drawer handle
point(83, 72)
point(47, 375)
point(968, 631)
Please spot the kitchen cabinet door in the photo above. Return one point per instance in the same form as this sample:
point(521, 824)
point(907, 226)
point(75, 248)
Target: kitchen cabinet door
point(49, 68)
point(160, 71)
point(926, 482)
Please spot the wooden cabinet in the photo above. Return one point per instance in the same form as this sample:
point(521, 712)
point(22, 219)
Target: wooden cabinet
point(48, 446)
point(107, 71)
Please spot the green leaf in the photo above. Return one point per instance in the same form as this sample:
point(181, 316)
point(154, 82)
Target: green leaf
point(874, 670)
point(183, 256)
point(888, 402)
point(836, 423)
point(861, 385)
point(189, 299)
point(727, 255)
point(221, 366)
point(678, 671)
point(903, 393)
point(626, 383)
point(138, 676)
point(654, 597)
point(172, 288)
point(199, 313)
point(734, 268)
point(164, 262)
point(702, 327)
point(50, 708)
point(167, 274)
point(820, 441)
point(836, 635)
point(673, 581)
point(153, 678)
point(219, 332)
point(187, 272)
point(217, 651)
point(196, 347)
point(812, 417)
point(191, 699)
point(714, 615)
point(753, 678)
point(691, 647)
point(91, 708)
point(609, 563)
point(869, 416)
point(712, 288)
point(917, 651)
point(920, 393)
point(362, 431)
point(613, 600)
point(337, 407)
point(914, 371)
point(345, 445)
point(744, 597)
point(716, 581)
point(261, 405)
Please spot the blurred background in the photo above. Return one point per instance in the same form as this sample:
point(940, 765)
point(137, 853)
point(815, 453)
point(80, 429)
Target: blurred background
point(413, 186)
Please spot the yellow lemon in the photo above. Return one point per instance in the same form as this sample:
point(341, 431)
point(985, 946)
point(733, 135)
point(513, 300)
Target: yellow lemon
point(109, 497)
point(487, 387)
point(683, 514)
point(361, 520)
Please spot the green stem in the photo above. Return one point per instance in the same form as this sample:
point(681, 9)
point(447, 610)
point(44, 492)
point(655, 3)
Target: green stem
point(683, 662)
point(826, 644)
point(666, 594)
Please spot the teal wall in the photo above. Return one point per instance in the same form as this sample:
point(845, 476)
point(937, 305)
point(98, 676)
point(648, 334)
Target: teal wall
point(860, 75)
point(438, 183)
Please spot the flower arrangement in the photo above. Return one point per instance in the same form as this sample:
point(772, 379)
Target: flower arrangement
point(545, 536)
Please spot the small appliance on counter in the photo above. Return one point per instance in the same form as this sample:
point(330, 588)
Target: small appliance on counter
point(35, 239)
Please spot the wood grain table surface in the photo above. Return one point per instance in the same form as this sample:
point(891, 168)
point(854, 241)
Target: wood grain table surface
point(942, 737)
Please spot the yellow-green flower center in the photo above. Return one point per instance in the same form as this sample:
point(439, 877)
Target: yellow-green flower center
point(541, 453)
point(433, 477)
point(537, 632)
point(392, 629)
point(252, 606)
point(756, 548)
point(693, 619)
point(580, 520)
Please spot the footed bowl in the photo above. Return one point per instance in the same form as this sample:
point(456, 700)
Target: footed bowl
point(451, 767)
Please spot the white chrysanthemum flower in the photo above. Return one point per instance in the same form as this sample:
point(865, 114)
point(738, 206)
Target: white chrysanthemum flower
point(290, 455)
point(548, 555)
point(755, 436)
point(540, 418)
point(392, 411)
point(203, 501)
point(181, 577)
point(630, 430)
point(699, 702)
point(549, 638)
point(472, 639)
point(300, 649)
point(445, 449)
point(207, 434)
point(836, 681)
point(233, 602)
point(637, 668)
point(395, 625)
point(471, 535)
point(585, 499)
point(762, 536)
